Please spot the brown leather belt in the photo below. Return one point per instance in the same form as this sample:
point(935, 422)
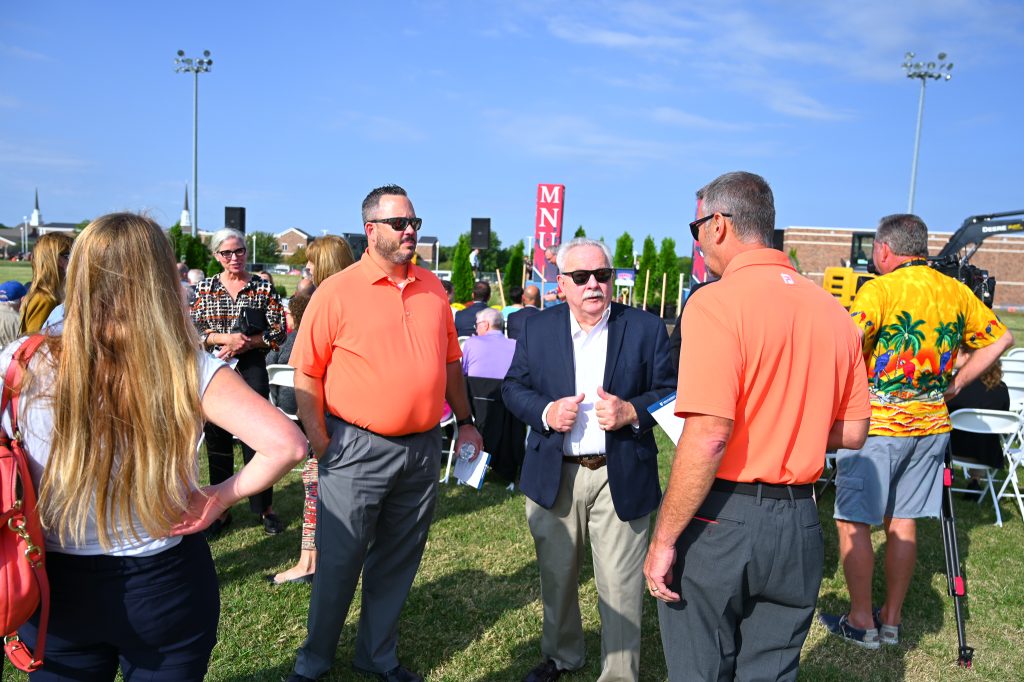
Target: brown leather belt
point(592, 462)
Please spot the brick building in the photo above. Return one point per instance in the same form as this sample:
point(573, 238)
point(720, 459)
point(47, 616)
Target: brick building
point(820, 247)
point(291, 240)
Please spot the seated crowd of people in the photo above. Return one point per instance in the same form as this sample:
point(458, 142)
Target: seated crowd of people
point(559, 391)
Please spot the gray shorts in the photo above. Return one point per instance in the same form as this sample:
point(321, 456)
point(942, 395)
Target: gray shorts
point(890, 478)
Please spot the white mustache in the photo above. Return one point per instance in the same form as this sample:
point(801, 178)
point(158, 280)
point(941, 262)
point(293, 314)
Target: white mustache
point(593, 293)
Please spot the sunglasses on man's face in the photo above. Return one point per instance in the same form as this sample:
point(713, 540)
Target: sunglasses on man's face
point(695, 225)
point(237, 253)
point(399, 224)
point(581, 277)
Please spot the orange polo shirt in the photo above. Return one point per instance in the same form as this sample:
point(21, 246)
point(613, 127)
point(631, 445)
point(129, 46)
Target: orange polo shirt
point(777, 354)
point(380, 349)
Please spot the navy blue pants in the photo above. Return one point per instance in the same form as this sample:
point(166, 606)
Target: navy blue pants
point(155, 616)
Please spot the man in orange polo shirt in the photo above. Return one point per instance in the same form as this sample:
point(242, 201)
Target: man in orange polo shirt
point(770, 375)
point(375, 358)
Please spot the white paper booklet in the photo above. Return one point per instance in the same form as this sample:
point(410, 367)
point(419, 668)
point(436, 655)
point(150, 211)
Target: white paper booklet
point(664, 412)
point(471, 473)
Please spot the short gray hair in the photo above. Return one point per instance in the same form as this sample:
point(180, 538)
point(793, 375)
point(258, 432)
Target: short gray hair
point(222, 235)
point(748, 199)
point(492, 317)
point(904, 233)
point(579, 242)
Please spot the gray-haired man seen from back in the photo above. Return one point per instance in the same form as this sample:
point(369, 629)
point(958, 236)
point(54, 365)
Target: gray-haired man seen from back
point(770, 376)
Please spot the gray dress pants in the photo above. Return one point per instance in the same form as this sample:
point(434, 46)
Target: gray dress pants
point(376, 501)
point(747, 571)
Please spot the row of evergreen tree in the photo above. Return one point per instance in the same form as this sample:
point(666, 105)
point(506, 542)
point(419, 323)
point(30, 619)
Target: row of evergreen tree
point(650, 266)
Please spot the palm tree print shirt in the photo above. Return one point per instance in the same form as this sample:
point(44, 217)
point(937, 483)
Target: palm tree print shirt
point(914, 319)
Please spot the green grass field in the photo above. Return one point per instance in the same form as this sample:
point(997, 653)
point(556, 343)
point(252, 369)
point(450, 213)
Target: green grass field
point(475, 613)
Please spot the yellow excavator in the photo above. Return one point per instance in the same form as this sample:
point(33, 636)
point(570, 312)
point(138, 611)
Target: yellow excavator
point(952, 260)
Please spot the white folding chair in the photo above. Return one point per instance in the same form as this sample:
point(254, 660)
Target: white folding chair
point(1001, 423)
point(1014, 364)
point(282, 376)
point(448, 419)
point(828, 474)
point(1013, 378)
point(1016, 399)
point(1014, 353)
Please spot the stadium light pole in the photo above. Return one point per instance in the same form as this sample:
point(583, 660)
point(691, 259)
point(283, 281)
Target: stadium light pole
point(923, 71)
point(183, 64)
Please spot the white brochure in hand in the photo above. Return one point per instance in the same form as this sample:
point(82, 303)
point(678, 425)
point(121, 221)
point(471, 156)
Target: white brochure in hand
point(664, 412)
point(471, 472)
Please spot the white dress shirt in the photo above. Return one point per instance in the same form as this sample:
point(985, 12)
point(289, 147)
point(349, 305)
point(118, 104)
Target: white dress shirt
point(590, 350)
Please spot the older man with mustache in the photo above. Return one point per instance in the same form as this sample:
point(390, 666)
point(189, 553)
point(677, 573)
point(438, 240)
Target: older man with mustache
point(582, 376)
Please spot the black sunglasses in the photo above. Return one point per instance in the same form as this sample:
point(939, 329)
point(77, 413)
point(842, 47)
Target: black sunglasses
point(581, 277)
point(399, 224)
point(237, 253)
point(700, 221)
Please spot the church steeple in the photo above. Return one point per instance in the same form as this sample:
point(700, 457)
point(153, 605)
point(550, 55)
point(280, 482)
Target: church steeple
point(37, 217)
point(186, 217)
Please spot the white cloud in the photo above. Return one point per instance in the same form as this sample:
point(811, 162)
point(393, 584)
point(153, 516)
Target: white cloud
point(569, 136)
point(783, 55)
point(21, 53)
point(378, 127)
point(575, 32)
point(684, 119)
point(21, 155)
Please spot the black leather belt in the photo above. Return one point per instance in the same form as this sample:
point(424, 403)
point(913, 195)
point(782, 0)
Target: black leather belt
point(771, 491)
point(592, 462)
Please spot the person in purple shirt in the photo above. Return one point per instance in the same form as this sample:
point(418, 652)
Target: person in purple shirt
point(489, 353)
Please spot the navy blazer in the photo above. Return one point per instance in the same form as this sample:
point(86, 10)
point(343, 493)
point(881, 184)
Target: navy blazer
point(637, 369)
point(515, 322)
point(465, 319)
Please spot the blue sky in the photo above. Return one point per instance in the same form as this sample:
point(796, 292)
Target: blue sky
point(631, 105)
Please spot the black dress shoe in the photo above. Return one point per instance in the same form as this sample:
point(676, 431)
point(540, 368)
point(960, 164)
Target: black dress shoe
point(397, 674)
point(544, 672)
point(271, 524)
point(295, 677)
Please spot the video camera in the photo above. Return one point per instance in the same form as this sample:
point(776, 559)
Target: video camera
point(974, 278)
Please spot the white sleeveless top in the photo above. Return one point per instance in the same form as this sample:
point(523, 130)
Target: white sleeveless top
point(36, 421)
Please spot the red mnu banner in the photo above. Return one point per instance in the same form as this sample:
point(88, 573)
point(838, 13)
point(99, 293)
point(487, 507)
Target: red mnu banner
point(550, 205)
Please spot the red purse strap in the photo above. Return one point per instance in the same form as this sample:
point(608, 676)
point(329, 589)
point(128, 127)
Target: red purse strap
point(15, 373)
point(16, 651)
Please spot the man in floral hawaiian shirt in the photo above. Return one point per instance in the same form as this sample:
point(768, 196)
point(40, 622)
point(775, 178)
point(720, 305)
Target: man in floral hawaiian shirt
point(913, 319)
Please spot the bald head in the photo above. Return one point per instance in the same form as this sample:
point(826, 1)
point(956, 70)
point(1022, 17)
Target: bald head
point(531, 295)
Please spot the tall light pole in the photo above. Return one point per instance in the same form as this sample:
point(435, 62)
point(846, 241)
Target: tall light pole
point(183, 64)
point(923, 71)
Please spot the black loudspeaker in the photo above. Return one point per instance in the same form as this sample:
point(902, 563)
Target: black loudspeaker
point(234, 217)
point(777, 239)
point(480, 233)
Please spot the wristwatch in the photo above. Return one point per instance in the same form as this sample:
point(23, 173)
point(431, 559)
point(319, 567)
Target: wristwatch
point(468, 421)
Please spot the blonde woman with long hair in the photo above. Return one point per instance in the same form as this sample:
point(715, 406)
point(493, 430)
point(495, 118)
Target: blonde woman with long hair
point(111, 412)
point(326, 256)
point(49, 263)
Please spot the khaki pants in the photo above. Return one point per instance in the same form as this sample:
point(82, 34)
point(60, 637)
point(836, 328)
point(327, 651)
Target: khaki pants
point(584, 506)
